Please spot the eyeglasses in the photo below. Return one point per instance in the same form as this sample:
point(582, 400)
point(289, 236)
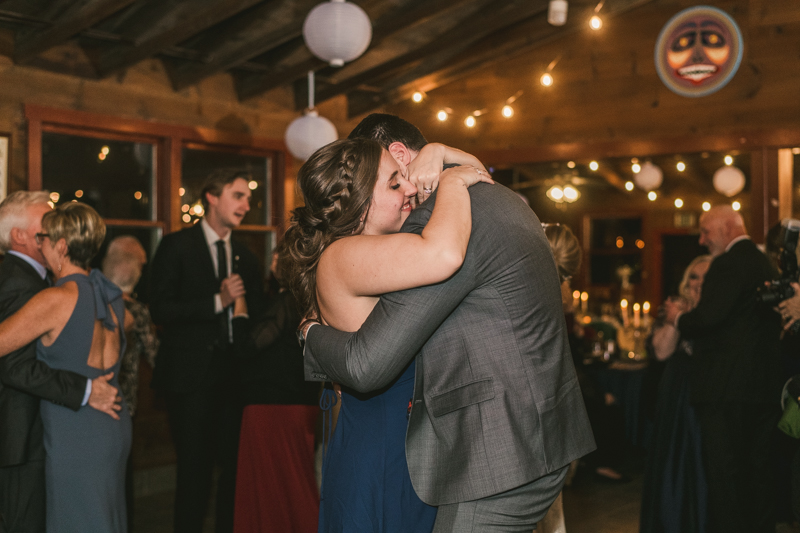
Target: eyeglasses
point(40, 237)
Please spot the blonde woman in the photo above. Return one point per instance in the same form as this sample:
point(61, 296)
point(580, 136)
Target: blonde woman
point(78, 324)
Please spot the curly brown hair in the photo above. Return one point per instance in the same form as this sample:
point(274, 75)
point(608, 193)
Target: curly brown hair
point(337, 184)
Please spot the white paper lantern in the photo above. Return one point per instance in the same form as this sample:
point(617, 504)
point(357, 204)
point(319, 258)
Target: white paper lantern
point(649, 177)
point(337, 31)
point(309, 133)
point(729, 181)
point(557, 12)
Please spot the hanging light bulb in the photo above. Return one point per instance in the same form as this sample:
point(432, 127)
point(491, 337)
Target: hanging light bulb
point(628, 185)
point(678, 203)
point(441, 115)
point(736, 206)
point(728, 160)
point(470, 121)
point(636, 168)
point(571, 193)
point(508, 111)
point(546, 79)
point(706, 206)
point(681, 166)
point(652, 196)
point(595, 22)
point(557, 12)
point(555, 193)
point(594, 166)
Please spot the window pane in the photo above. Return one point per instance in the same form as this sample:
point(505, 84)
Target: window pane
point(199, 164)
point(148, 237)
point(260, 243)
point(114, 177)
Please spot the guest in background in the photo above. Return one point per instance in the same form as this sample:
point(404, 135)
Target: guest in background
point(24, 380)
point(604, 415)
point(276, 489)
point(735, 376)
point(674, 494)
point(197, 274)
point(79, 324)
point(123, 264)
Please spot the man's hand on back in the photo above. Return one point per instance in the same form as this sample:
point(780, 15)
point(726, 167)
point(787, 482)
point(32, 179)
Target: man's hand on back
point(105, 397)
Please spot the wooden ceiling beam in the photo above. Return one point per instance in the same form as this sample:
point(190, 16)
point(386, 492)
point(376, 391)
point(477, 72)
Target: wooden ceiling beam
point(268, 26)
point(491, 18)
point(391, 23)
point(173, 23)
point(521, 39)
point(69, 18)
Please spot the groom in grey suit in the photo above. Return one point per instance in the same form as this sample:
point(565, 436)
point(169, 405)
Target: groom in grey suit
point(497, 413)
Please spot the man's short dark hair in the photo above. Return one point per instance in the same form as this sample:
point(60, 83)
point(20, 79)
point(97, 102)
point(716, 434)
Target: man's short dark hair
point(217, 181)
point(387, 129)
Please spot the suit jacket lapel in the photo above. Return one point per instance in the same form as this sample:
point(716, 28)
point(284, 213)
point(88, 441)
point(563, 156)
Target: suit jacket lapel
point(203, 253)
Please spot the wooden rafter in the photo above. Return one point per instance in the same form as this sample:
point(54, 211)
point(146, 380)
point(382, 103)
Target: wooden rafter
point(68, 18)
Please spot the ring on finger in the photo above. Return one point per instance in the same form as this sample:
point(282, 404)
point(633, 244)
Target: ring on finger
point(427, 190)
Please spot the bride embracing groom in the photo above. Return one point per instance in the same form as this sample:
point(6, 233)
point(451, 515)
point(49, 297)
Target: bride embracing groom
point(460, 310)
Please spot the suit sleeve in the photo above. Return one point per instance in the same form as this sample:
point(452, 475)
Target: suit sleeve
point(166, 305)
point(21, 370)
point(721, 290)
point(399, 325)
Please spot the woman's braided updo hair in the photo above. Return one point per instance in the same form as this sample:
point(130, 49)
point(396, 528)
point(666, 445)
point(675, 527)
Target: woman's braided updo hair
point(337, 184)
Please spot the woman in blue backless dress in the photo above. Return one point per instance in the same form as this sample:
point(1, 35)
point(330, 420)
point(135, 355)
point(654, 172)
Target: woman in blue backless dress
point(79, 325)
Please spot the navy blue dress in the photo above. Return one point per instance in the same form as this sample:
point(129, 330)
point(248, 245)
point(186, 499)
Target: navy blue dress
point(366, 487)
point(86, 450)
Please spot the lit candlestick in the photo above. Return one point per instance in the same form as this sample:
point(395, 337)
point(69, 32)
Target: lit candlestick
point(584, 302)
point(576, 300)
point(624, 307)
point(636, 315)
point(646, 312)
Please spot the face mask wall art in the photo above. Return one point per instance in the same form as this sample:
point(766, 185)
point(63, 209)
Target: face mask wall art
point(698, 51)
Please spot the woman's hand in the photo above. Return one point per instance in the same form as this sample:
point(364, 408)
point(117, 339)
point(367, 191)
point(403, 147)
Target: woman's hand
point(425, 169)
point(790, 309)
point(467, 174)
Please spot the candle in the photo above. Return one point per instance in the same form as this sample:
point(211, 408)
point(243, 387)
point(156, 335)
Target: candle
point(576, 300)
point(636, 315)
point(646, 312)
point(624, 307)
point(584, 302)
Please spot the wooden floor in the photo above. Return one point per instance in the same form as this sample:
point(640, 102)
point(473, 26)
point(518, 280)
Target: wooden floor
point(590, 506)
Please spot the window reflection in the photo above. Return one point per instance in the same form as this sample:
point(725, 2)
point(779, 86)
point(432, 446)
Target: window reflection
point(114, 177)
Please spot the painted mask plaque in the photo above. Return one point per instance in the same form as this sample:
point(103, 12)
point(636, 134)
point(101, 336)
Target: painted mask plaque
point(698, 51)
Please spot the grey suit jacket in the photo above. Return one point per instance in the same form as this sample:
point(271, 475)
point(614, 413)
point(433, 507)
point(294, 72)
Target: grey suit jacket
point(496, 399)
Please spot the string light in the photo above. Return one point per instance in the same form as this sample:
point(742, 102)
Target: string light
point(652, 196)
point(571, 193)
point(470, 121)
point(595, 23)
point(417, 97)
point(636, 168)
point(706, 206)
point(571, 164)
point(441, 115)
point(628, 185)
point(736, 206)
point(594, 166)
point(728, 160)
point(253, 185)
point(79, 193)
point(508, 111)
point(546, 79)
point(138, 195)
point(681, 166)
point(678, 203)
point(54, 197)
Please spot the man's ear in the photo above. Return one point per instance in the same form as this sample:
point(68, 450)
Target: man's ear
point(17, 237)
point(401, 153)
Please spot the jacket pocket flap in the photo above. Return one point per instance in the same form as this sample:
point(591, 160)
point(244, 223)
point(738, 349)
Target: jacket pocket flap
point(460, 397)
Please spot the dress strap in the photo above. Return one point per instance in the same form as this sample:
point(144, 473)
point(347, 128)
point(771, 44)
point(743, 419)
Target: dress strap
point(105, 293)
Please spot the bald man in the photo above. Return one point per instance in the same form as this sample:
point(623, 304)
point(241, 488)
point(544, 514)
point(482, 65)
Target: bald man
point(735, 380)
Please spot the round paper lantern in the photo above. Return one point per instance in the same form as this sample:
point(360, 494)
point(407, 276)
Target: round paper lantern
point(337, 31)
point(729, 181)
point(309, 133)
point(649, 177)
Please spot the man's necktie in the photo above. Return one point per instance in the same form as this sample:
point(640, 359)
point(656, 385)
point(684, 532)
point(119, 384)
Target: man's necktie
point(222, 272)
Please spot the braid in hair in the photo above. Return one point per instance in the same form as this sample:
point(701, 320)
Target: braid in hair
point(337, 184)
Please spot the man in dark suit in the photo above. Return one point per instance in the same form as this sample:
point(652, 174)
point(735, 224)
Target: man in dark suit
point(735, 381)
point(197, 274)
point(24, 381)
point(497, 412)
